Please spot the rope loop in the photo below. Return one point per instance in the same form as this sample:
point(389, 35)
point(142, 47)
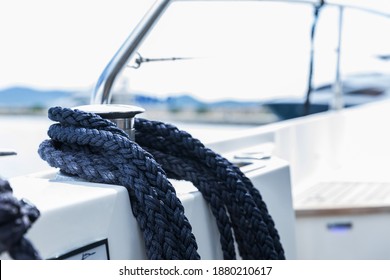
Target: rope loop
point(85, 145)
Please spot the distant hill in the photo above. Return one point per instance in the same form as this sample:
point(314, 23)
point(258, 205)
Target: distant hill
point(23, 97)
point(187, 101)
point(234, 104)
point(184, 101)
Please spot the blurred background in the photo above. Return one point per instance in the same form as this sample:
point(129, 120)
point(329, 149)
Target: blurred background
point(217, 63)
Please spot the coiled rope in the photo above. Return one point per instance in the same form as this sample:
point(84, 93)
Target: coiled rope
point(16, 217)
point(94, 149)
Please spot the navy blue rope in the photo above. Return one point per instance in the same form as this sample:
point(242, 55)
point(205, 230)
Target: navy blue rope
point(88, 146)
point(254, 228)
point(16, 217)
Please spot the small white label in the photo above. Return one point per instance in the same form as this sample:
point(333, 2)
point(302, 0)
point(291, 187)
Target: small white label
point(94, 251)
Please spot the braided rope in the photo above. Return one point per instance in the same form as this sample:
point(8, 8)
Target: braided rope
point(260, 240)
point(94, 149)
point(16, 217)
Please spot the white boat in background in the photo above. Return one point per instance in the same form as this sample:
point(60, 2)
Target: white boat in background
point(324, 176)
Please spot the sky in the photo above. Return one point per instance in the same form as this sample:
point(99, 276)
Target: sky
point(62, 43)
point(243, 51)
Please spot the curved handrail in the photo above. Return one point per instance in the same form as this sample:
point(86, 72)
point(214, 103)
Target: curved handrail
point(102, 92)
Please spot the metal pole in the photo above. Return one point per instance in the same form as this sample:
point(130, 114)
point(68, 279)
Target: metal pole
point(337, 103)
point(306, 107)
